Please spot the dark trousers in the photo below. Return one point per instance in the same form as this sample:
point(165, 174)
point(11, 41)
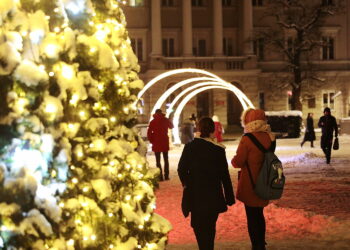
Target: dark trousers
point(204, 227)
point(326, 145)
point(256, 226)
point(166, 164)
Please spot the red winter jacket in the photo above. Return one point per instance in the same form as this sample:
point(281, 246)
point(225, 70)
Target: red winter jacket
point(157, 133)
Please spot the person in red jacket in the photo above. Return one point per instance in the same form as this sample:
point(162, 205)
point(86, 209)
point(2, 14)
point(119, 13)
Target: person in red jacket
point(157, 134)
point(254, 122)
point(219, 130)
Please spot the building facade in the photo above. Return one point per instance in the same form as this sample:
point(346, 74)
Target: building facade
point(216, 36)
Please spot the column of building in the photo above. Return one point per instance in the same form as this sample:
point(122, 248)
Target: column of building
point(217, 28)
point(247, 28)
point(156, 26)
point(187, 28)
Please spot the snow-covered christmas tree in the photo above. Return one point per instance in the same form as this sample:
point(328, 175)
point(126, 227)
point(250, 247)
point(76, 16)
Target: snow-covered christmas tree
point(72, 169)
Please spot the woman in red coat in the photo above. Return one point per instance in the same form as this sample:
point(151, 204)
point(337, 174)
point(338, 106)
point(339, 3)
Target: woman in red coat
point(219, 130)
point(157, 134)
point(253, 121)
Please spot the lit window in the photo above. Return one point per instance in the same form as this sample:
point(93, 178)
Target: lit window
point(136, 3)
point(328, 100)
point(328, 48)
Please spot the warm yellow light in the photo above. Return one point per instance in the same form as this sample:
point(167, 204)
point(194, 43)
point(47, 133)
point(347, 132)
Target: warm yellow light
point(51, 50)
point(100, 86)
point(74, 100)
point(3, 228)
point(101, 35)
point(75, 180)
point(70, 242)
point(128, 166)
point(85, 238)
point(56, 10)
point(61, 204)
point(93, 50)
point(72, 167)
point(57, 29)
point(117, 52)
point(93, 237)
point(51, 74)
point(67, 72)
point(138, 197)
point(140, 226)
point(84, 204)
point(113, 119)
point(53, 173)
point(24, 33)
point(128, 197)
point(42, 67)
point(119, 176)
point(91, 23)
point(147, 217)
point(85, 189)
point(82, 114)
point(71, 126)
point(126, 110)
point(50, 108)
point(77, 221)
point(110, 215)
point(111, 246)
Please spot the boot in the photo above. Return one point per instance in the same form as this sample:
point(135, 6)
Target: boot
point(259, 247)
point(312, 144)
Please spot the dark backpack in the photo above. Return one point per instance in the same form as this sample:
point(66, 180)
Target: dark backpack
point(270, 182)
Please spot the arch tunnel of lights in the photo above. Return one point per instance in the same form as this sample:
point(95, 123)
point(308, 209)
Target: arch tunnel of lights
point(203, 83)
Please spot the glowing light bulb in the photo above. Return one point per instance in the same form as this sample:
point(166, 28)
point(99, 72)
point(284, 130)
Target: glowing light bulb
point(93, 237)
point(138, 197)
point(140, 226)
point(71, 126)
point(117, 52)
point(53, 173)
point(74, 100)
point(70, 242)
point(91, 23)
point(72, 167)
point(67, 72)
point(85, 189)
point(24, 33)
point(50, 108)
point(77, 221)
point(51, 74)
point(61, 204)
point(84, 204)
point(147, 217)
point(75, 180)
point(100, 35)
point(82, 114)
point(128, 197)
point(3, 228)
point(119, 176)
point(93, 50)
point(42, 67)
point(110, 215)
point(57, 29)
point(111, 246)
point(85, 238)
point(36, 36)
point(113, 119)
point(100, 86)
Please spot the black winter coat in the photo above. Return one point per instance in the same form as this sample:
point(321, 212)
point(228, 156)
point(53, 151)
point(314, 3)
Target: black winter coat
point(203, 171)
point(309, 132)
point(328, 124)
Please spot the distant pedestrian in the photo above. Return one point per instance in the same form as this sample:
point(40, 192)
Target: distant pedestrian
point(219, 130)
point(203, 171)
point(157, 134)
point(248, 154)
point(328, 124)
point(187, 130)
point(309, 131)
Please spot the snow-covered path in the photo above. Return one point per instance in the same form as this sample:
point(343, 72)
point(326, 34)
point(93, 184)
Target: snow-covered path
point(314, 212)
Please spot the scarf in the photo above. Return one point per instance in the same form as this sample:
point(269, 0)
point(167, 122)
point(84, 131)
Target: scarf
point(259, 126)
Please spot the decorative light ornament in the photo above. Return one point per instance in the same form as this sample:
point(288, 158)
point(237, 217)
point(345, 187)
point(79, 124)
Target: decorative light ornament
point(75, 7)
point(93, 237)
point(51, 74)
point(57, 29)
point(36, 36)
point(70, 242)
point(101, 35)
point(50, 108)
point(113, 119)
point(67, 71)
point(75, 180)
point(51, 50)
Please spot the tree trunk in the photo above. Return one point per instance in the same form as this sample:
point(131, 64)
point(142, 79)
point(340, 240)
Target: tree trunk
point(296, 103)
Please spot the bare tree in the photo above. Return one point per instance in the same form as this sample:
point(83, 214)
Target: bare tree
point(296, 35)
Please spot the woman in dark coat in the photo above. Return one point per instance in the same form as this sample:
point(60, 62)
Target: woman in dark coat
point(309, 132)
point(203, 172)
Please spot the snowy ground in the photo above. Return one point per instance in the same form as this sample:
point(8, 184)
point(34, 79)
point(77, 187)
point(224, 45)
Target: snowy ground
point(314, 212)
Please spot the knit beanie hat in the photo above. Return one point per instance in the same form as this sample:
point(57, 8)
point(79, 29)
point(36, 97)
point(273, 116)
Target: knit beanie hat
point(250, 115)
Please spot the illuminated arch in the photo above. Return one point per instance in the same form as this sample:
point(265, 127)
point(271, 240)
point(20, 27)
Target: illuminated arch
point(215, 81)
point(185, 91)
point(182, 105)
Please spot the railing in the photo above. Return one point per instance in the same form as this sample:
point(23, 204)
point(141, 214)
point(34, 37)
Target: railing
point(211, 63)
